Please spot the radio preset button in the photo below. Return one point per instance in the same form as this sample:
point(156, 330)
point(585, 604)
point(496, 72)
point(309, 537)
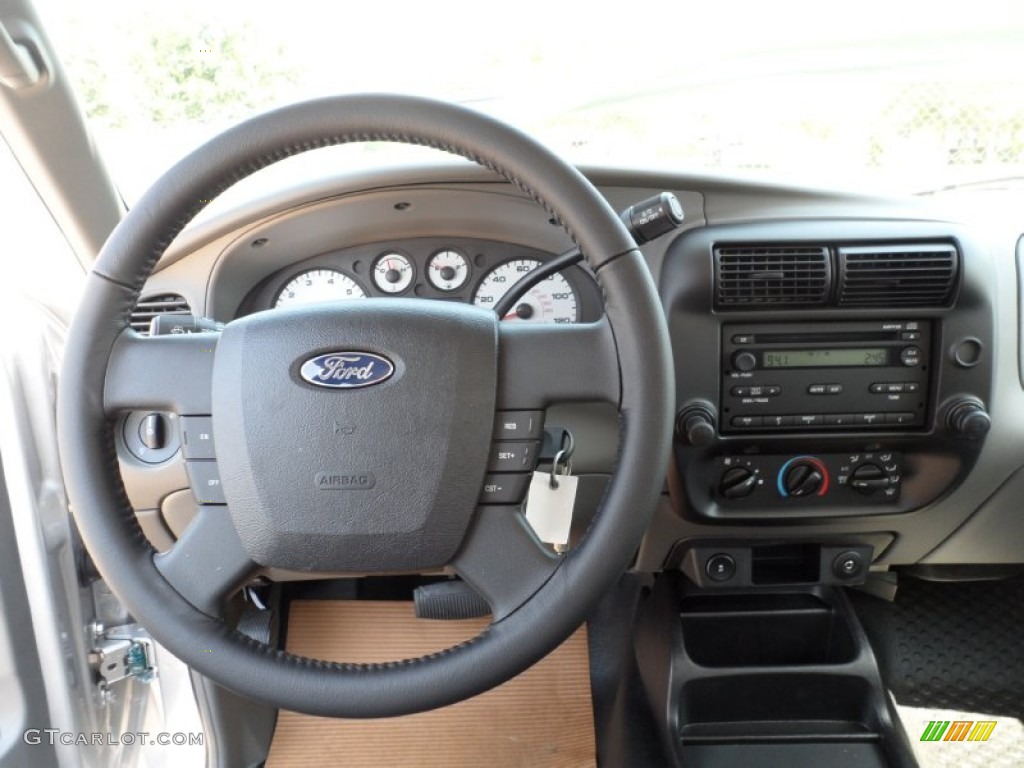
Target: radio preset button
point(744, 361)
point(869, 419)
point(778, 421)
point(910, 356)
point(809, 420)
point(746, 421)
point(899, 418)
point(839, 419)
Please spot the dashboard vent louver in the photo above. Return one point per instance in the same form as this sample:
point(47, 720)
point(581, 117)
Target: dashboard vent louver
point(897, 276)
point(159, 304)
point(771, 276)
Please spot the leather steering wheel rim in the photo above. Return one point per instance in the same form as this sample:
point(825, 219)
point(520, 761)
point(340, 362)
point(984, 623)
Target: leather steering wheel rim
point(108, 524)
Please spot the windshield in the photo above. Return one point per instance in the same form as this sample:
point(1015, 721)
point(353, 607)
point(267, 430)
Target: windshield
point(896, 96)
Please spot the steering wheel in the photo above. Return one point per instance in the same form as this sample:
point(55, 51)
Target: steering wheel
point(433, 377)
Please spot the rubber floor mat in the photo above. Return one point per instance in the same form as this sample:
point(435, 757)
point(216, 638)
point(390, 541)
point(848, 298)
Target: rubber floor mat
point(952, 654)
point(543, 717)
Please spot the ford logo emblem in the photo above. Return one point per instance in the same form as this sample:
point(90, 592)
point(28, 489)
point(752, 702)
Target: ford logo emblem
point(346, 370)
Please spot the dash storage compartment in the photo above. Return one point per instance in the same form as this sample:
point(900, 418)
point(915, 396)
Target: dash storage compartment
point(764, 630)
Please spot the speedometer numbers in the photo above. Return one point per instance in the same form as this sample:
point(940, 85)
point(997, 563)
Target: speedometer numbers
point(318, 285)
point(552, 300)
point(447, 270)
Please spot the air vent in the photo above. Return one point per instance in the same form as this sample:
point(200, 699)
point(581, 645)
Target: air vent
point(771, 276)
point(897, 276)
point(160, 304)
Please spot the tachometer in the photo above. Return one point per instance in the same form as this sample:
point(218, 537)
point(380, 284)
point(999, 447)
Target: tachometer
point(552, 300)
point(319, 285)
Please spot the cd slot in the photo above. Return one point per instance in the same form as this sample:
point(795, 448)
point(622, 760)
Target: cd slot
point(818, 338)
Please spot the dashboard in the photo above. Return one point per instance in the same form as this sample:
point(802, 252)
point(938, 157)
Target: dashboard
point(847, 366)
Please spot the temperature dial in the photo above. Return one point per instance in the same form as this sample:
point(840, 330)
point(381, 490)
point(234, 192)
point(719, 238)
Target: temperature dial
point(447, 270)
point(393, 272)
point(803, 476)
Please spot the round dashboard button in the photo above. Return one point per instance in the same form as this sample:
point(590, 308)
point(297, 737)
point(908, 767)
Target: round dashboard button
point(720, 567)
point(910, 356)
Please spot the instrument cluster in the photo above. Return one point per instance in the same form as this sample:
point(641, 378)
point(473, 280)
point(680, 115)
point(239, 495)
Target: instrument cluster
point(454, 269)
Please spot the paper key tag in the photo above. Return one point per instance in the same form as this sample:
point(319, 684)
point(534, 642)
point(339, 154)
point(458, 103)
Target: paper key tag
point(549, 510)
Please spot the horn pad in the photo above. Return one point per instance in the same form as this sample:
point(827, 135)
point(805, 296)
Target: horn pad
point(354, 436)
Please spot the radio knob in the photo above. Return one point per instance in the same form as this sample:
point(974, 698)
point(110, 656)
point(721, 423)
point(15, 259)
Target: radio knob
point(803, 478)
point(737, 482)
point(744, 361)
point(968, 418)
point(697, 425)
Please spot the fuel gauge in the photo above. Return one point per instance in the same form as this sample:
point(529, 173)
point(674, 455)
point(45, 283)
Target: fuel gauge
point(447, 270)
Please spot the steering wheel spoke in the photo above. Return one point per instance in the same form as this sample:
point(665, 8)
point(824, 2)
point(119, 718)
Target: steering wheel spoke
point(208, 563)
point(540, 364)
point(170, 373)
point(503, 560)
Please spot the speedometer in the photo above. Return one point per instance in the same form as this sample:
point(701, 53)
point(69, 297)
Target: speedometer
point(552, 300)
point(319, 285)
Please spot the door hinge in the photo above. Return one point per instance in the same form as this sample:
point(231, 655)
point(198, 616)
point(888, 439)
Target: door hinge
point(122, 652)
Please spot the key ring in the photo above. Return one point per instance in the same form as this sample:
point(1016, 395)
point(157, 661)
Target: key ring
point(564, 454)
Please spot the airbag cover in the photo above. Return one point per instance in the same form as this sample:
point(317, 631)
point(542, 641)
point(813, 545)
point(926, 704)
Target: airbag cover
point(376, 463)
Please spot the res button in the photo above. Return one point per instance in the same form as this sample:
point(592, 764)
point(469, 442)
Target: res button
point(518, 425)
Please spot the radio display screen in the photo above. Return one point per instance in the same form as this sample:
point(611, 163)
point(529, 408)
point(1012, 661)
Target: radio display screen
point(825, 358)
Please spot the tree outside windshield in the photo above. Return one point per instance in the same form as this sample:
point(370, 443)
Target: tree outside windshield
point(899, 97)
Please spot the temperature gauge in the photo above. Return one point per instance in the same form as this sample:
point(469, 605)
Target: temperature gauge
point(393, 272)
point(447, 270)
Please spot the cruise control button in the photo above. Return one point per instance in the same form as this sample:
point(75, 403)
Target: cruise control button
point(518, 425)
point(504, 489)
point(512, 457)
point(197, 437)
point(204, 477)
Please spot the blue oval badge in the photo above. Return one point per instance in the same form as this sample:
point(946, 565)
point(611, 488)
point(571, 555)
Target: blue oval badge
point(346, 370)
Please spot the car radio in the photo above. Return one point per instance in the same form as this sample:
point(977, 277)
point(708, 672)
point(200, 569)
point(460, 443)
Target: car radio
point(870, 375)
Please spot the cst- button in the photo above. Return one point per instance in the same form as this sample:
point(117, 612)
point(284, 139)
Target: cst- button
point(504, 489)
point(720, 567)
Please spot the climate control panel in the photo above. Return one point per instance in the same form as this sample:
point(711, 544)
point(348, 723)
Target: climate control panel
point(808, 480)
